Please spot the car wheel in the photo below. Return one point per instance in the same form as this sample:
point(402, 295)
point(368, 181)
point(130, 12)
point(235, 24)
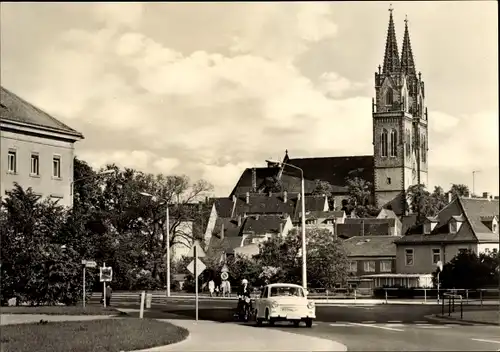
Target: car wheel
point(269, 320)
point(309, 323)
point(296, 323)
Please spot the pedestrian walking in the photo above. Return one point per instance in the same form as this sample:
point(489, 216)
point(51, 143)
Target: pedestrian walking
point(211, 287)
point(109, 293)
point(217, 290)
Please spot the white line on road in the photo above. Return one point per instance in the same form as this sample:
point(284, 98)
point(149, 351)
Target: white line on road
point(482, 340)
point(376, 326)
point(368, 322)
point(394, 325)
point(340, 324)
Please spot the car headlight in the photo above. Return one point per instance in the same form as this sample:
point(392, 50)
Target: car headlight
point(310, 305)
point(274, 305)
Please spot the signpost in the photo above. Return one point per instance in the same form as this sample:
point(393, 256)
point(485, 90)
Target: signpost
point(86, 264)
point(224, 275)
point(196, 267)
point(105, 275)
point(439, 264)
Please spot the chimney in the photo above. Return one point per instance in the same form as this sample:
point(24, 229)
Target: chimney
point(248, 198)
point(285, 196)
point(487, 195)
point(450, 197)
point(254, 179)
point(222, 231)
point(239, 220)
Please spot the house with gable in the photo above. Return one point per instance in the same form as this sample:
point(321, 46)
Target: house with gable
point(37, 150)
point(463, 224)
point(386, 223)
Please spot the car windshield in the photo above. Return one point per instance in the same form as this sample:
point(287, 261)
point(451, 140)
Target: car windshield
point(287, 291)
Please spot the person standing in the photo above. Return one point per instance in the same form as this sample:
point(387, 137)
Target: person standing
point(211, 287)
point(109, 293)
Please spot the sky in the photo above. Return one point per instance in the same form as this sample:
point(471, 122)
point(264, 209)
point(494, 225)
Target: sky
point(209, 89)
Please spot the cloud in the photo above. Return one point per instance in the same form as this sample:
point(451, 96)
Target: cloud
point(238, 97)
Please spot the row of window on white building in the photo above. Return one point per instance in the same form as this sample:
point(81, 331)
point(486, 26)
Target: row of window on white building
point(12, 164)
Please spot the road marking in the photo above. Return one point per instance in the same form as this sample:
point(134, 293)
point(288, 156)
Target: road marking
point(340, 325)
point(395, 321)
point(376, 326)
point(395, 324)
point(482, 340)
point(422, 324)
point(368, 321)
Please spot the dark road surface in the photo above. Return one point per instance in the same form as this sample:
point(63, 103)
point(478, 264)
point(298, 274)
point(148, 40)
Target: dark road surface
point(360, 328)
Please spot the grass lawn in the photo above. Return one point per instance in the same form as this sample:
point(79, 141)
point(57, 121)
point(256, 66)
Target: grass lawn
point(90, 336)
point(61, 310)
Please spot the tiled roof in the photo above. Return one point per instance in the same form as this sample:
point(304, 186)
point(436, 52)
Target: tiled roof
point(322, 215)
point(263, 224)
point(16, 109)
point(472, 229)
point(371, 246)
point(266, 204)
point(335, 170)
point(474, 209)
point(356, 229)
point(289, 181)
point(408, 221)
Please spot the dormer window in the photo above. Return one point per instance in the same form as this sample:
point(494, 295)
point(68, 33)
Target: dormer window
point(430, 225)
point(455, 223)
point(311, 221)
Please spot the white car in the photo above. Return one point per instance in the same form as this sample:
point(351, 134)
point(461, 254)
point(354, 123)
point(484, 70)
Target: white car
point(284, 302)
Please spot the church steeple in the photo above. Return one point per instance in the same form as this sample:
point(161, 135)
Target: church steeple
point(391, 56)
point(407, 62)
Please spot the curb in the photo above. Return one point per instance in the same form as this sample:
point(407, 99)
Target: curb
point(177, 346)
point(464, 322)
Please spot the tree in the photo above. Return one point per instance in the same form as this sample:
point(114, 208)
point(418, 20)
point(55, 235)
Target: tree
point(327, 262)
point(36, 267)
point(272, 185)
point(468, 270)
point(324, 187)
point(421, 202)
point(360, 198)
point(460, 190)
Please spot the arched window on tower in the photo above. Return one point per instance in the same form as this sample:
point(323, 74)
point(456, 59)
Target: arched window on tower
point(394, 143)
point(389, 98)
point(424, 149)
point(408, 152)
point(403, 103)
point(383, 143)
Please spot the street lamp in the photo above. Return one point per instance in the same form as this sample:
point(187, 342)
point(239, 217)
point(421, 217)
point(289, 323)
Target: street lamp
point(167, 225)
point(303, 219)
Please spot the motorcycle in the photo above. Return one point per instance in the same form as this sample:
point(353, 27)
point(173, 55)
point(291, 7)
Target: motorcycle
point(245, 311)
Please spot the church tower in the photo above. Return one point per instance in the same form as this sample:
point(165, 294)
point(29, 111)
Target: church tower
point(400, 134)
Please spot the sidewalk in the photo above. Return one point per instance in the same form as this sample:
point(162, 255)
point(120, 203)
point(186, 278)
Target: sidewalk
point(224, 337)
point(486, 317)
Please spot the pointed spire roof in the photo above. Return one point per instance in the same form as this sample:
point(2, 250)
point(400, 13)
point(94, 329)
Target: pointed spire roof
point(391, 56)
point(407, 62)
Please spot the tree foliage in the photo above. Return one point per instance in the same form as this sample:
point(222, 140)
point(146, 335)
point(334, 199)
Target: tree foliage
point(327, 263)
point(468, 270)
point(36, 266)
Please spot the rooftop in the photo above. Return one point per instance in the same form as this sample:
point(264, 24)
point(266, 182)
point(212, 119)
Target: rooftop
point(371, 246)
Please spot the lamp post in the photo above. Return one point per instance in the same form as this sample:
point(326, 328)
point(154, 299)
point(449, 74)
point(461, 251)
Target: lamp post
point(167, 225)
point(303, 219)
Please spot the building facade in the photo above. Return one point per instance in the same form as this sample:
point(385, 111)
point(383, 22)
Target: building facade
point(37, 150)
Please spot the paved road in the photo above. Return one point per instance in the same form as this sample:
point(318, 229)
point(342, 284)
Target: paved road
point(360, 328)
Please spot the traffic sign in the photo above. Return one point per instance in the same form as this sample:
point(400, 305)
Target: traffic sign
point(89, 263)
point(224, 275)
point(106, 274)
point(199, 251)
point(224, 269)
point(199, 267)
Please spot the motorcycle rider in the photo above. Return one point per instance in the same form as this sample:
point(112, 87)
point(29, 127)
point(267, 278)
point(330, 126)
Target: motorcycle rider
point(243, 292)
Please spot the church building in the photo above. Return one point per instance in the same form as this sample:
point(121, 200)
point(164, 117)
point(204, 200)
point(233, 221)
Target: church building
point(400, 140)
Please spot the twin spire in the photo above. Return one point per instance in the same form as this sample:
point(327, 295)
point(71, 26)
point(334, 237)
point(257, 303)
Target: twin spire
point(392, 63)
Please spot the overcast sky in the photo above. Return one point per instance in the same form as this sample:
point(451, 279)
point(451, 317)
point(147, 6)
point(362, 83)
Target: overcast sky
point(208, 89)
